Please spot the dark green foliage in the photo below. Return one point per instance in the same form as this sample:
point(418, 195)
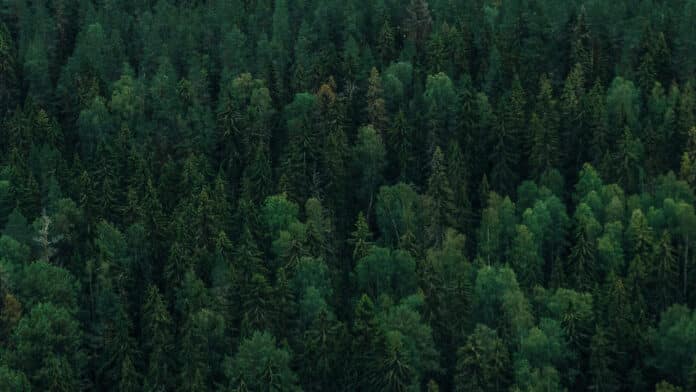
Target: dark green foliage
point(260, 365)
point(385, 272)
point(674, 363)
point(302, 150)
point(282, 195)
point(439, 200)
point(18, 228)
point(156, 330)
point(13, 380)
point(46, 345)
point(483, 363)
point(369, 155)
point(40, 282)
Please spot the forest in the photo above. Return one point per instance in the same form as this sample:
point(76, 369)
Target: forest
point(348, 195)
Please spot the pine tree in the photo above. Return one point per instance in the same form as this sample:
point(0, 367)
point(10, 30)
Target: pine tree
point(36, 70)
point(506, 143)
point(257, 306)
point(484, 192)
point(10, 315)
point(394, 374)
point(691, 384)
point(48, 348)
point(418, 22)
point(386, 42)
point(514, 115)
point(199, 357)
point(285, 311)
point(687, 170)
point(573, 119)
point(335, 156)
point(599, 135)
point(581, 51)
point(437, 51)
point(18, 228)
point(482, 363)
point(130, 379)
point(582, 260)
point(557, 277)
point(439, 200)
point(260, 365)
point(156, 329)
point(281, 46)
point(525, 258)
point(664, 276)
point(322, 344)
point(8, 71)
point(298, 166)
point(545, 150)
point(369, 154)
point(319, 231)
point(603, 376)
point(628, 162)
point(367, 340)
point(179, 261)
point(458, 176)
point(257, 180)
point(655, 60)
point(376, 112)
point(686, 119)
point(441, 106)
point(401, 148)
point(361, 238)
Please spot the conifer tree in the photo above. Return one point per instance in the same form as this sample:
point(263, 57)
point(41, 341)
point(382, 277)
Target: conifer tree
point(302, 148)
point(482, 363)
point(545, 149)
point(361, 238)
point(581, 44)
point(369, 155)
point(281, 45)
point(367, 340)
point(418, 22)
point(394, 373)
point(260, 365)
point(376, 112)
point(665, 273)
point(601, 369)
point(458, 176)
point(399, 143)
point(685, 110)
point(335, 156)
point(582, 260)
point(156, 328)
point(386, 42)
point(441, 110)
point(573, 118)
point(506, 142)
point(439, 200)
point(324, 340)
point(8, 70)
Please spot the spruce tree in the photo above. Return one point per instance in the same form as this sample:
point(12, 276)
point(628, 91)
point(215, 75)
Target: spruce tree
point(665, 273)
point(156, 329)
point(376, 112)
point(545, 150)
point(418, 21)
point(8, 70)
point(439, 200)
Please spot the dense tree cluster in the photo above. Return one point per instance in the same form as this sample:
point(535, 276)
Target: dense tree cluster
point(353, 195)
